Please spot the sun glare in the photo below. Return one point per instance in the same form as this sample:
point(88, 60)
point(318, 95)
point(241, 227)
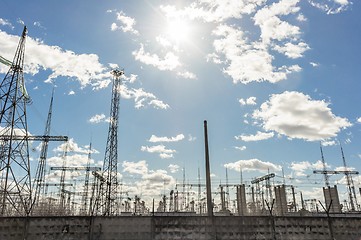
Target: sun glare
point(178, 30)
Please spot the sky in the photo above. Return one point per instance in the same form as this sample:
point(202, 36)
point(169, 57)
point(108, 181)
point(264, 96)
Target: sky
point(273, 78)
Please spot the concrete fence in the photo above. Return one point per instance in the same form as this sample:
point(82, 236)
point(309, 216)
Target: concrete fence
point(180, 227)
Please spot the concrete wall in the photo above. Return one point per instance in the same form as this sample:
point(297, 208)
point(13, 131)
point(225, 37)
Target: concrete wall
point(175, 227)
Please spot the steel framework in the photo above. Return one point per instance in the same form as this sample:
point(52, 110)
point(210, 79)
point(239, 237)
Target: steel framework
point(16, 189)
point(110, 190)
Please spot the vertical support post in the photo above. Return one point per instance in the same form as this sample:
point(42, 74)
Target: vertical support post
point(208, 174)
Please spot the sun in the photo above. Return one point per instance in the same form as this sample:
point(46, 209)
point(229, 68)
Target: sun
point(178, 30)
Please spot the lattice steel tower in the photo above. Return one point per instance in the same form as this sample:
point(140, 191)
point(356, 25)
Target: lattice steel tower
point(15, 187)
point(110, 190)
point(40, 171)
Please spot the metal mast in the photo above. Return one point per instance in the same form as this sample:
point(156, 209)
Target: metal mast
point(326, 177)
point(40, 171)
point(350, 187)
point(16, 192)
point(86, 184)
point(109, 194)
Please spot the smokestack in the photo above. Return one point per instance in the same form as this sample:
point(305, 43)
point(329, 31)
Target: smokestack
point(208, 174)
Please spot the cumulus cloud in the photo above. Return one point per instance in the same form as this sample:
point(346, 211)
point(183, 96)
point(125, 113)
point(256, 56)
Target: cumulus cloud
point(5, 22)
point(359, 120)
point(257, 137)
point(74, 160)
point(296, 115)
point(242, 148)
point(173, 168)
point(305, 168)
point(177, 138)
point(150, 183)
point(140, 167)
point(161, 149)
point(248, 101)
point(292, 50)
point(169, 62)
point(248, 62)
point(72, 146)
point(98, 118)
point(214, 11)
point(313, 64)
point(85, 68)
point(127, 23)
point(331, 6)
point(253, 165)
point(141, 97)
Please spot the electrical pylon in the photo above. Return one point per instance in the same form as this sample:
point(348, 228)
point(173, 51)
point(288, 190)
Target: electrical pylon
point(110, 190)
point(86, 184)
point(16, 189)
point(40, 171)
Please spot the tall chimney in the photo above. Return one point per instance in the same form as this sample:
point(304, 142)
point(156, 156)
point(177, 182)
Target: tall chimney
point(208, 174)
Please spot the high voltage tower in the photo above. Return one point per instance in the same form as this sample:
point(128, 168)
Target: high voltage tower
point(16, 190)
point(40, 171)
point(108, 198)
point(16, 186)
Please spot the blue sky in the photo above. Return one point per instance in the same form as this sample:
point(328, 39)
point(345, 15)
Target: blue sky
point(272, 78)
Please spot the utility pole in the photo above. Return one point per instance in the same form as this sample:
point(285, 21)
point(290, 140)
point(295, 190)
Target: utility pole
point(110, 167)
point(16, 187)
point(208, 174)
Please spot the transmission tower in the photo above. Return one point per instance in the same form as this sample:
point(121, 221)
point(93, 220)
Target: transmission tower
point(350, 185)
point(110, 171)
point(86, 184)
point(326, 177)
point(40, 171)
point(16, 190)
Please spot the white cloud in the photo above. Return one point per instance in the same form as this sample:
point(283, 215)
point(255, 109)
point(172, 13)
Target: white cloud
point(248, 101)
point(298, 116)
point(177, 138)
point(71, 92)
point(272, 27)
point(161, 149)
point(85, 68)
point(173, 168)
point(98, 118)
point(141, 97)
point(331, 6)
point(72, 146)
point(301, 18)
point(257, 137)
point(127, 23)
point(170, 61)
point(214, 11)
point(292, 50)
point(187, 75)
point(253, 165)
point(248, 62)
point(140, 167)
point(74, 160)
point(313, 64)
point(5, 22)
point(242, 148)
point(151, 182)
point(305, 168)
point(328, 143)
point(191, 138)
point(359, 120)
